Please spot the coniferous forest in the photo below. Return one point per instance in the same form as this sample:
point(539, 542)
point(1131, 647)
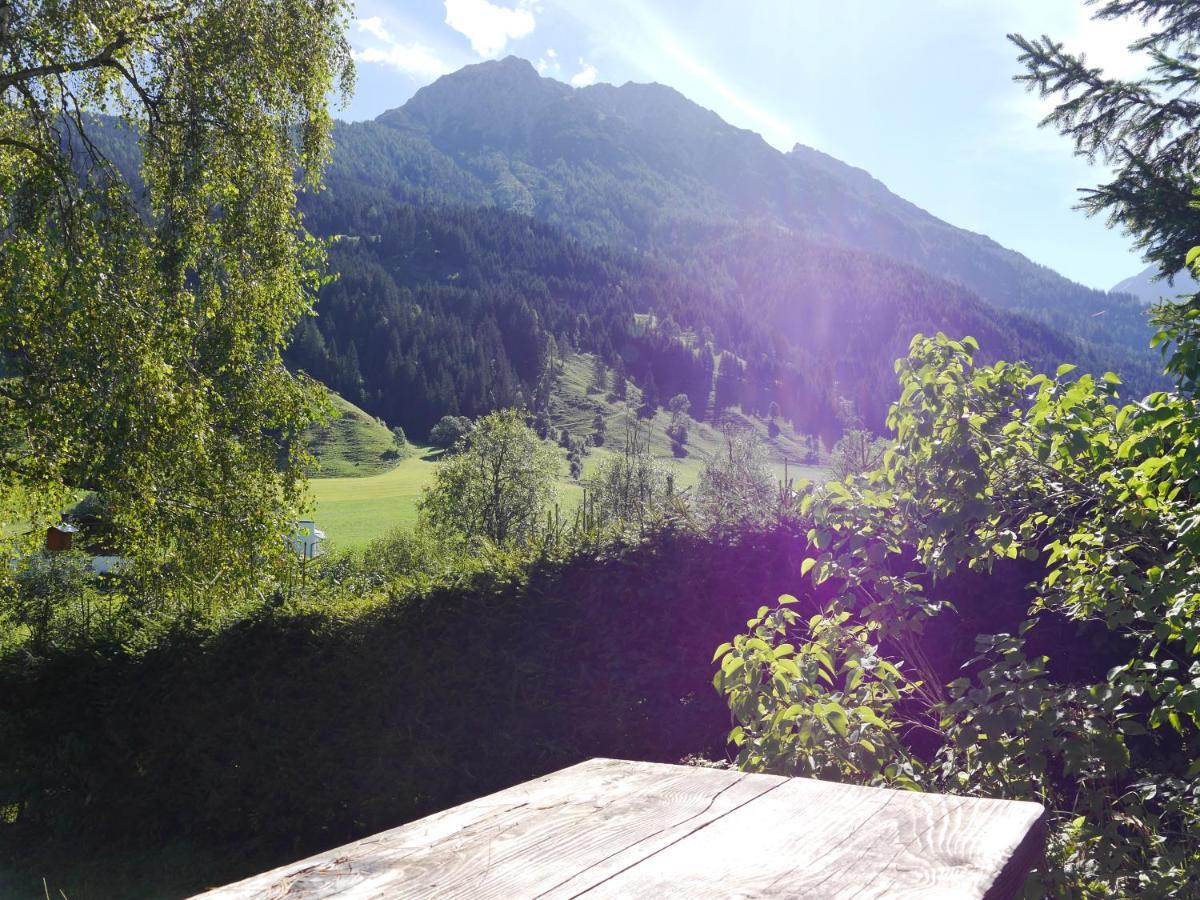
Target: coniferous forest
point(454, 272)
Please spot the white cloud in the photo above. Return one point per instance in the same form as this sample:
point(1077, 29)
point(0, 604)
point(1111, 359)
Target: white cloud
point(1105, 43)
point(586, 75)
point(488, 27)
point(374, 26)
point(411, 58)
point(548, 63)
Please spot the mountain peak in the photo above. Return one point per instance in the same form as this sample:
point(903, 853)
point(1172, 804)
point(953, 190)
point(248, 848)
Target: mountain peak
point(481, 103)
point(491, 77)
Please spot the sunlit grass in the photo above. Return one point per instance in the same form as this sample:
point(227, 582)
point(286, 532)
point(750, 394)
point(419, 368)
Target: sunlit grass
point(353, 511)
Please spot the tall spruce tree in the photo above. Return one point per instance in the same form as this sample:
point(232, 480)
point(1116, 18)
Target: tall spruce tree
point(1147, 129)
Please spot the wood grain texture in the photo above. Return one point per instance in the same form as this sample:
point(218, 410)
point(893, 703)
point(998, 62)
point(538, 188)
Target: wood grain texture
point(607, 828)
point(575, 827)
point(812, 838)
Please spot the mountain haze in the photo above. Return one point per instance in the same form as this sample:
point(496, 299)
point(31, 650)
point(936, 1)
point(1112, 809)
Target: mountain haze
point(1147, 288)
point(634, 163)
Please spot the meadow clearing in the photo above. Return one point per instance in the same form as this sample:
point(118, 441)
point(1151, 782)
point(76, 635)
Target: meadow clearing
point(365, 488)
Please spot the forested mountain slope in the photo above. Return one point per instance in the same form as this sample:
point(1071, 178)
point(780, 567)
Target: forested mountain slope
point(498, 211)
point(642, 166)
point(442, 310)
point(1147, 288)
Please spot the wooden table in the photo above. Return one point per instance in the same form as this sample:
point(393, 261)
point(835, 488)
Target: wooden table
point(609, 828)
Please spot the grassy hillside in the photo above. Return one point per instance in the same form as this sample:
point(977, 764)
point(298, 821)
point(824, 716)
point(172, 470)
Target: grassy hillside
point(354, 510)
point(354, 444)
point(574, 408)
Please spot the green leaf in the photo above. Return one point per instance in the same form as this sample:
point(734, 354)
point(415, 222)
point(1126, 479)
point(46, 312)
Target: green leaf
point(836, 718)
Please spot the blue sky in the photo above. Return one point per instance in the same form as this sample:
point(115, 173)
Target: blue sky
point(917, 92)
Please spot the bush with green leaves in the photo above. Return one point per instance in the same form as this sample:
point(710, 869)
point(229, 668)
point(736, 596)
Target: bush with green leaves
point(631, 490)
point(54, 599)
point(736, 489)
point(857, 451)
point(450, 432)
point(496, 487)
point(994, 463)
point(823, 707)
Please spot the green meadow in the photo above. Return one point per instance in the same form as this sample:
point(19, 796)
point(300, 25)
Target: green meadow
point(363, 489)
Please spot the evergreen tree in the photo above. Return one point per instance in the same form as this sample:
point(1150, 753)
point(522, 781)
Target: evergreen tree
point(598, 428)
point(599, 374)
point(649, 397)
point(1144, 128)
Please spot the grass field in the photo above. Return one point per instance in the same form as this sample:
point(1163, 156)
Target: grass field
point(355, 511)
point(361, 495)
point(353, 445)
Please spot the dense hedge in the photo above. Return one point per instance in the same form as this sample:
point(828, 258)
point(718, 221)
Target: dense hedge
point(293, 731)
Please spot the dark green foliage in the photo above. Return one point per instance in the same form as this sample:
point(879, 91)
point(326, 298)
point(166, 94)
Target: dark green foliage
point(449, 431)
point(598, 429)
point(642, 166)
point(53, 596)
point(449, 293)
point(290, 732)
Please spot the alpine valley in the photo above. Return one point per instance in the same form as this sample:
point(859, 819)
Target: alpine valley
point(499, 218)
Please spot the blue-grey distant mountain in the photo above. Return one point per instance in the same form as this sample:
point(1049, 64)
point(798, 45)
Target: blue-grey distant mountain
point(1148, 289)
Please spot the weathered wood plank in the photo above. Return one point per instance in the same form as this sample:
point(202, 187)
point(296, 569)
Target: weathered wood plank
point(608, 828)
point(340, 865)
point(559, 835)
point(817, 839)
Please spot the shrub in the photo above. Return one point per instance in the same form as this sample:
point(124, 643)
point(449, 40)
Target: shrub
point(450, 432)
point(735, 488)
point(497, 487)
point(994, 464)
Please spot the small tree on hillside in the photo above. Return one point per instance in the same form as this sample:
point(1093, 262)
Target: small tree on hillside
point(736, 487)
point(649, 398)
point(678, 406)
point(772, 415)
point(599, 374)
point(497, 487)
point(449, 432)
